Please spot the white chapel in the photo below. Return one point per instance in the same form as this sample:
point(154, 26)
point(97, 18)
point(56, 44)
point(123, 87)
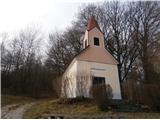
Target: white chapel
point(93, 65)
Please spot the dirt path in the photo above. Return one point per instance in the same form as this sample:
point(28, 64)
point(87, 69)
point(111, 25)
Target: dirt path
point(14, 111)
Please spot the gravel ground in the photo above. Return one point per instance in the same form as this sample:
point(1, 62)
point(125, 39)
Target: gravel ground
point(14, 111)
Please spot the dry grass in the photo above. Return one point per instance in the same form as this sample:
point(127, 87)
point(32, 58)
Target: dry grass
point(10, 99)
point(88, 110)
point(78, 110)
point(52, 106)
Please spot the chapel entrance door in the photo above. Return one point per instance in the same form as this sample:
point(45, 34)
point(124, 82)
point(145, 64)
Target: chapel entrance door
point(98, 86)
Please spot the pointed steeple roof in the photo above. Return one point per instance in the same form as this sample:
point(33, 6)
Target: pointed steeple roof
point(92, 23)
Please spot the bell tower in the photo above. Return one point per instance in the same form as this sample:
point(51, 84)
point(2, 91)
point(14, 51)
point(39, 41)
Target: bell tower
point(93, 35)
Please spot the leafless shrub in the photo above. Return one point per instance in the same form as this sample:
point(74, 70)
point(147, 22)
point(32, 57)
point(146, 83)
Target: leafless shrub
point(67, 87)
point(102, 94)
point(57, 84)
point(143, 94)
point(76, 85)
point(83, 84)
point(152, 96)
point(77, 100)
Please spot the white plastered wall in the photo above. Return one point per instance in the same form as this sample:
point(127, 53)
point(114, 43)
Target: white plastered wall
point(70, 75)
point(110, 72)
point(89, 36)
point(96, 33)
point(85, 39)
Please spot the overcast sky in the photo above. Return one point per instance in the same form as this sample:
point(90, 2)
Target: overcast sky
point(47, 14)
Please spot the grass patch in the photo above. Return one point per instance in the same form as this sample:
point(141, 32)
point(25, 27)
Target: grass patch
point(10, 99)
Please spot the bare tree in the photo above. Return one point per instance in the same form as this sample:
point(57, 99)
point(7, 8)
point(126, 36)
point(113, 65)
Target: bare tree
point(23, 71)
point(146, 25)
point(64, 46)
point(115, 21)
point(6, 61)
point(118, 31)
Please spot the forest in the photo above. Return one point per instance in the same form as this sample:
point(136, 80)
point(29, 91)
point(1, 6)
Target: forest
point(32, 63)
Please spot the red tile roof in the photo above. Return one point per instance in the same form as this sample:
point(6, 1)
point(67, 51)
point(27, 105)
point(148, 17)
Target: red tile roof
point(96, 54)
point(92, 23)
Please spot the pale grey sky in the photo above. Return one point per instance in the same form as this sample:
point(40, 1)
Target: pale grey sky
point(47, 14)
